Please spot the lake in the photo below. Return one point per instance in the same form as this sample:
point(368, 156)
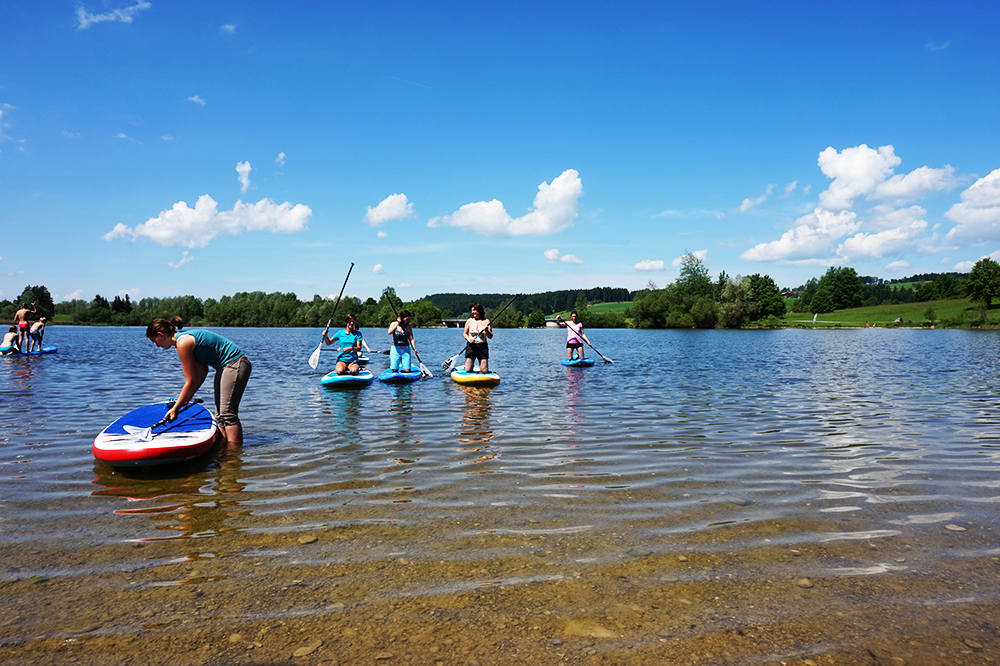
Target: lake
point(711, 497)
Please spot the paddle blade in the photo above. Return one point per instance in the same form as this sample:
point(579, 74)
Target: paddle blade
point(314, 359)
point(425, 371)
point(450, 363)
point(142, 434)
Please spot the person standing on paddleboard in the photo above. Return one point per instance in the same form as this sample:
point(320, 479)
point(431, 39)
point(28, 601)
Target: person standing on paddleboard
point(197, 350)
point(21, 319)
point(349, 343)
point(402, 343)
point(574, 335)
point(35, 335)
point(478, 329)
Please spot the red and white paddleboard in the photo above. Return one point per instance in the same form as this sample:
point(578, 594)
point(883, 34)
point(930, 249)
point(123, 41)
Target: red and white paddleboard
point(142, 438)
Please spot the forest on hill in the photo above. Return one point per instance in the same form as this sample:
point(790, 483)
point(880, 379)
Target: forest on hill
point(547, 302)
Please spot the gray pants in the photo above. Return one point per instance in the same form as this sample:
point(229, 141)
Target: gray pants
point(230, 382)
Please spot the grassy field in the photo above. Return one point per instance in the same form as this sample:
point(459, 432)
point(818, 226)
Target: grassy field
point(948, 311)
point(620, 306)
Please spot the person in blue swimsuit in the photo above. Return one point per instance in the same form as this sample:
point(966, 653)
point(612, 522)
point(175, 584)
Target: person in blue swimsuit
point(9, 345)
point(402, 343)
point(349, 343)
point(198, 349)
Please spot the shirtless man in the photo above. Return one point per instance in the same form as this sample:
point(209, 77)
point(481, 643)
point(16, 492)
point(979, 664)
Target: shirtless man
point(36, 333)
point(21, 319)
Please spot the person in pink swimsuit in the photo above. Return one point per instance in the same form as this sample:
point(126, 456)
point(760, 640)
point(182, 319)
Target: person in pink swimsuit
point(574, 335)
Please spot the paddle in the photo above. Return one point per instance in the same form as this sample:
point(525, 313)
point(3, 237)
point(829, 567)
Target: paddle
point(423, 368)
point(314, 358)
point(580, 333)
point(450, 363)
point(147, 434)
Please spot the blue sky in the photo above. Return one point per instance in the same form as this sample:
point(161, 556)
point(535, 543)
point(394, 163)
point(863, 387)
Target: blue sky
point(168, 148)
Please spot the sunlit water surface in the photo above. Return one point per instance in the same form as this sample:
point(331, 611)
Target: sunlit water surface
point(764, 456)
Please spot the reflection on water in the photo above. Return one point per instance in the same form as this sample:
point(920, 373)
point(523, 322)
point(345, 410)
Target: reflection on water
point(682, 494)
point(477, 426)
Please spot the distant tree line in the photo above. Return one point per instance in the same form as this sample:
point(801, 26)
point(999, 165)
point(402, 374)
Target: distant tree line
point(841, 288)
point(694, 300)
point(547, 302)
point(36, 294)
point(254, 308)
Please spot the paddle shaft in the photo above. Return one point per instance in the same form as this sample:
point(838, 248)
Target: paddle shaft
point(339, 296)
point(186, 405)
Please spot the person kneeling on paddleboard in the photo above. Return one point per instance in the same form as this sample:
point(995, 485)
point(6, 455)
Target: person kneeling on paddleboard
point(349, 343)
point(197, 350)
point(477, 331)
point(574, 335)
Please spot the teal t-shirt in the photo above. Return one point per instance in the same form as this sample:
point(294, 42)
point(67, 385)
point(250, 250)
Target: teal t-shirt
point(345, 339)
point(212, 349)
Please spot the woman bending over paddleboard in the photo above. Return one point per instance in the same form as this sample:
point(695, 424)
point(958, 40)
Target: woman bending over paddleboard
point(197, 350)
point(574, 335)
point(402, 342)
point(349, 343)
point(478, 330)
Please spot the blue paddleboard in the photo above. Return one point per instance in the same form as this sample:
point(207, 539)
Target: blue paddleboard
point(578, 362)
point(399, 377)
point(6, 351)
point(333, 380)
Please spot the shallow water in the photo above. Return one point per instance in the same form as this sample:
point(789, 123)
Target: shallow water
point(755, 496)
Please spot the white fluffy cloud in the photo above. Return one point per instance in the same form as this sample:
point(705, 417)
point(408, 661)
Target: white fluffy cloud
point(700, 255)
point(85, 19)
point(855, 172)
point(229, 28)
point(553, 256)
point(197, 100)
point(813, 235)
point(977, 217)
point(900, 228)
point(280, 159)
point(377, 269)
point(555, 208)
point(244, 169)
point(393, 207)
point(649, 265)
point(749, 203)
point(897, 266)
point(918, 183)
point(841, 229)
point(196, 227)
